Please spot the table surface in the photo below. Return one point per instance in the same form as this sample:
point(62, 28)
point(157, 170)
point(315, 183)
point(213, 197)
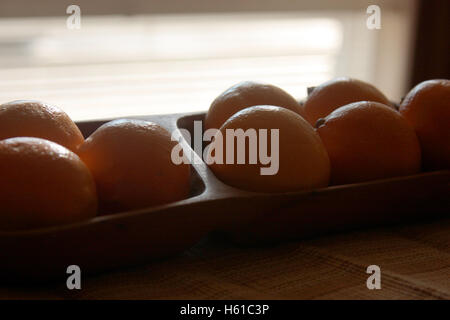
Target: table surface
point(414, 261)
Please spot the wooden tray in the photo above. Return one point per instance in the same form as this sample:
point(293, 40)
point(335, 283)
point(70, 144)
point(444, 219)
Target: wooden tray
point(133, 237)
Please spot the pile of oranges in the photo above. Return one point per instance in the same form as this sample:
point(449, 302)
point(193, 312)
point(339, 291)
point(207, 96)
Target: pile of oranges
point(51, 175)
point(346, 131)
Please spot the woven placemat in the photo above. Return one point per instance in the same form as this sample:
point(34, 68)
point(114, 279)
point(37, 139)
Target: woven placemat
point(414, 262)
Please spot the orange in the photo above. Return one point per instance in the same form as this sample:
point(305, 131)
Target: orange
point(336, 93)
point(132, 167)
point(43, 184)
point(25, 118)
point(247, 94)
point(367, 141)
point(302, 159)
point(427, 108)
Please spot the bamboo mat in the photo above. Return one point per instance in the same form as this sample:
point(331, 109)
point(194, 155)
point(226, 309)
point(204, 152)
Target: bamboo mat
point(414, 262)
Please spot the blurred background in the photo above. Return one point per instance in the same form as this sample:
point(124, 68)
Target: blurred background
point(139, 57)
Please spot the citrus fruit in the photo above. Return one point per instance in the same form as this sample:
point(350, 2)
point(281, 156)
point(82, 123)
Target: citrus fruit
point(26, 118)
point(298, 157)
point(427, 108)
point(368, 140)
point(336, 93)
point(246, 94)
point(132, 166)
point(43, 184)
